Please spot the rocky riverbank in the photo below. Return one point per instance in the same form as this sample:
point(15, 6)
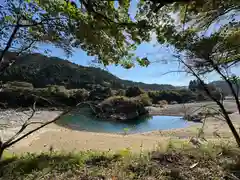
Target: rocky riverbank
point(61, 138)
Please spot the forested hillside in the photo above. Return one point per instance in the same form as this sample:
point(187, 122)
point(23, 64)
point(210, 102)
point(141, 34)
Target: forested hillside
point(41, 70)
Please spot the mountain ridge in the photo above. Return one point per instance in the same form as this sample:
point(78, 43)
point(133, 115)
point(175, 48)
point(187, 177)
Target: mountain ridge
point(41, 70)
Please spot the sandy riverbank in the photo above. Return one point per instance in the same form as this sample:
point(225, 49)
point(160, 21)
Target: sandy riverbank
point(65, 139)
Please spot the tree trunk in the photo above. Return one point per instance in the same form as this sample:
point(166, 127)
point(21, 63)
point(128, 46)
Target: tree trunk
point(235, 94)
point(227, 118)
point(230, 124)
point(1, 152)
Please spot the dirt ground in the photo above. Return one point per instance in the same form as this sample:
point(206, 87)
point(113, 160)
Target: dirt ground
point(65, 139)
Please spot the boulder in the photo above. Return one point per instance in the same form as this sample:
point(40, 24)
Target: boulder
point(194, 118)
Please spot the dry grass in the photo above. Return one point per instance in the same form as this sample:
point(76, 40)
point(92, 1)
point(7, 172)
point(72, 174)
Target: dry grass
point(183, 162)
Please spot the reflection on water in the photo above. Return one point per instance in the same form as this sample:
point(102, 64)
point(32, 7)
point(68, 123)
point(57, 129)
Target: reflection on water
point(86, 122)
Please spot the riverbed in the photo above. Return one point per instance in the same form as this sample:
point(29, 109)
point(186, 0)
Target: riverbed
point(66, 139)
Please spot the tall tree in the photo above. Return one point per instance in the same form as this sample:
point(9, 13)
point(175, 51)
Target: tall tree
point(201, 48)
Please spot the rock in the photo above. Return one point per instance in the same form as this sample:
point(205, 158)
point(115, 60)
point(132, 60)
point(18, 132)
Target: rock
point(194, 118)
point(173, 102)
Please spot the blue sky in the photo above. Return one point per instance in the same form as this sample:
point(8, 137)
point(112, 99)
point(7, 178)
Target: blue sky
point(153, 73)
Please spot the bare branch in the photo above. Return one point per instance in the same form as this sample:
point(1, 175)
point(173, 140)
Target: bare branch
point(24, 126)
point(177, 71)
point(6, 145)
point(9, 43)
point(226, 116)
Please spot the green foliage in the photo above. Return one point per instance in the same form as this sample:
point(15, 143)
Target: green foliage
point(121, 108)
point(115, 99)
point(196, 87)
point(126, 130)
point(121, 92)
point(134, 91)
point(216, 161)
point(79, 94)
point(205, 48)
point(180, 96)
point(99, 28)
point(144, 99)
point(42, 71)
point(51, 96)
point(100, 93)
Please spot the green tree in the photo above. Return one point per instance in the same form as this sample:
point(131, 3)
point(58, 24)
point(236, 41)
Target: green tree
point(202, 53)
point(108, 33)
point(97, 27)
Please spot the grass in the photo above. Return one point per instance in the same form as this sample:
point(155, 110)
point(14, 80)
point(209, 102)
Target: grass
point(184, 162)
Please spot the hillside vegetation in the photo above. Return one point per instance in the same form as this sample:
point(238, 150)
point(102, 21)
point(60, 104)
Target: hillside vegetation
point(41, 71)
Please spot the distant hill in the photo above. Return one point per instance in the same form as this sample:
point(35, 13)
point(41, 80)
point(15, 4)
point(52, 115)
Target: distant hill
point(41, 71)
point(223, 86)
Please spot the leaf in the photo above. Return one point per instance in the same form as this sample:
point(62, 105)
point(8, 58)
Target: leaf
point(125, 4)
point(8, 18)
point(143, 61)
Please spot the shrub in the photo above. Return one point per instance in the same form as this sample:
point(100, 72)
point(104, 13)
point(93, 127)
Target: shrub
point(20, 84)
point(121, 108)
point(58, 91)
point(114, 99)
point(144, 99)
point(121, 92)
point(17, 97)
point(100, 93)
point(79, 94)
point(133, 91)
point(179, 96)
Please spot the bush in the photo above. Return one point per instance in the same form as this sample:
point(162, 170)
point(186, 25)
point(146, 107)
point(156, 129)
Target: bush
point(20, 84)
point(17, 97)
point(180, 96)
point(121, 108)
point(133, 91)
point(58, 91)
point(114, 99)
point(121, 92)
point(57, 95)
point(144, 99)
point(79, 94)
point(100, 93)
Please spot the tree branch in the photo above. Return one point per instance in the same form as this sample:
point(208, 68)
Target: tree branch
point(24, 126)
point(11, 39)
point(226, 116)
point(6, 145)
